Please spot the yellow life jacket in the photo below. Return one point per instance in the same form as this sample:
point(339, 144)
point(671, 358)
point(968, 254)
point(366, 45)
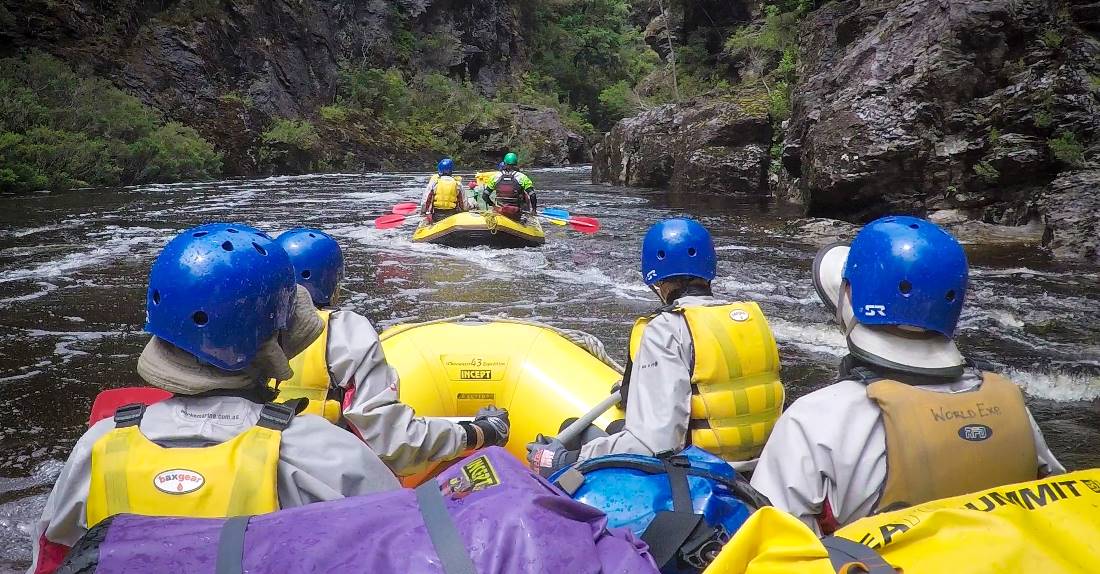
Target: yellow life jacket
point(736, 392)
point(132, 474)
point(940, 445)
point(311, 377)
point(446, 193)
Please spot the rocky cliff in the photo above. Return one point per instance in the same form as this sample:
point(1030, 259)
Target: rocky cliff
point(987, 108)
point(232, 67)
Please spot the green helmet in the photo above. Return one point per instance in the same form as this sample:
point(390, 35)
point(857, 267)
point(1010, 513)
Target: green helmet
point(510, 159)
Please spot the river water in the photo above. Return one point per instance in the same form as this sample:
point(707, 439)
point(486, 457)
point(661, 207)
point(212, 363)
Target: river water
point(73, 268)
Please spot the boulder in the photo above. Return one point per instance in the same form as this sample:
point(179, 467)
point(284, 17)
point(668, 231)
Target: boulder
point(709, 145)
point(537, 132)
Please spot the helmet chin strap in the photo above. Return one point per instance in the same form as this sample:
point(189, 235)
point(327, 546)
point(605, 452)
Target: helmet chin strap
point(657, 292)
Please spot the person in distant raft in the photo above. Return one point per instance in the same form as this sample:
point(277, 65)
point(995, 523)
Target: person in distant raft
point(443, 196)
point(225, 314)
point(346, 367)
point(704, 371)
point(511, 191)
point(909, 420)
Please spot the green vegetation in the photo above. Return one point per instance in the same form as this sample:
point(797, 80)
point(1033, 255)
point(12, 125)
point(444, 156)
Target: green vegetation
point(1052, 38)
point(770, 51)
point(586, 53)
point(987, 172)
point(60, 129)
point(424, 112)
point(1067, 149)
point(237, 99)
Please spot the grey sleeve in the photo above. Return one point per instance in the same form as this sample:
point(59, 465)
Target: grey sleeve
point(1047, 463)
point(659, 405)
point(319, 461)
point(64, 519)
point(405, 442)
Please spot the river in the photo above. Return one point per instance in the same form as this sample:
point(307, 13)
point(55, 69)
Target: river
point(73, 268)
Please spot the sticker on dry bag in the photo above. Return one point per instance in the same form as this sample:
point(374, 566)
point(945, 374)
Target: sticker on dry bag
point(478, 474)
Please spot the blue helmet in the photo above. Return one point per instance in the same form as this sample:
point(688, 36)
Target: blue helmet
point(678, 247)
point(218, 291)
point(446, 166)
point(907, 271)
point(318, 262)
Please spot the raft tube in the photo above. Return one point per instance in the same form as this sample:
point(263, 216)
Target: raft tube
point(542, 375)
point(471, 228)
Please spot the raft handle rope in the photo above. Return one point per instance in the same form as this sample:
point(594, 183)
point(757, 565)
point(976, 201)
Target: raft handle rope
point(590, 343)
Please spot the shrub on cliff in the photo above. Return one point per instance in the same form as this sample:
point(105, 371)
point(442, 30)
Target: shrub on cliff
point(61, 129)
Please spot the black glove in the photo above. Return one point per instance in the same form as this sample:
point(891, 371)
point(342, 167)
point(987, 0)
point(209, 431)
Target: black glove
point(489, 428)
point(547, 454)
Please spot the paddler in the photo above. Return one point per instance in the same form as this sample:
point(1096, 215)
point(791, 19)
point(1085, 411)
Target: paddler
point(511, 191)
point(443, 195)
point(910, 419)
point(225, 314)
point(346, 366)
point(703, 370)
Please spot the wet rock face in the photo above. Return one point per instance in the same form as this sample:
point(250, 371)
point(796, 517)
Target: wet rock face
point(709, 146)
point(916, 105)
point(1072, 213)
point(228, 67)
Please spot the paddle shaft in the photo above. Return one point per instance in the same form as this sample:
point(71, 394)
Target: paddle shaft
point(578, 426)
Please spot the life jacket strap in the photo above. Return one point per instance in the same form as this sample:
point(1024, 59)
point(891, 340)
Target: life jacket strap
point(853, 557)
point(230, 557)
point(129, 415)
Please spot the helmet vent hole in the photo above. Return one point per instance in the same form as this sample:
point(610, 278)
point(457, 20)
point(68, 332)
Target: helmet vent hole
point(312, 235)
point(228, 246)
point(231, 230)
point(200, 318)
point(913, 226)
point(950, 296)
point(691, 252)
point(660, 254)
point(306, 274)
point(259, 249)
point(199, 233)
point(264, 235)
point(156, 297)
point(905, 287)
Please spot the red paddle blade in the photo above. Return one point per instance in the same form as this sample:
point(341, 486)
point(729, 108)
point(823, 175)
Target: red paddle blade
point(584, 224)
point(107, 402)
point(405, 208)
point(389, 221)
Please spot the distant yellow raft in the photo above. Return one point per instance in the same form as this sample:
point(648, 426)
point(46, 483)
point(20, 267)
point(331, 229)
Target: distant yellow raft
point(471, 228)
point(453, 367)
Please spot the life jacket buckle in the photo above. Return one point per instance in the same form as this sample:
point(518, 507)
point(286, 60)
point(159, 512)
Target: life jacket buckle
point(699, 551)
point(277, 416)
point(129, 415)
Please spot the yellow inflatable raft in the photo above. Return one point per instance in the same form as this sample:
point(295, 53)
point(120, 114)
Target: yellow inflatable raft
point(542, 375)
point(471, 228)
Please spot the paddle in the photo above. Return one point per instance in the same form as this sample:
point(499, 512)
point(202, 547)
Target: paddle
point(389, 221)
point(405, 208)
point(107, 402)
point(580, 223)
point(578, 426)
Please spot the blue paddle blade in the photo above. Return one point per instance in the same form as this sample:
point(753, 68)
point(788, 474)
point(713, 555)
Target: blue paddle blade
point(556, 213)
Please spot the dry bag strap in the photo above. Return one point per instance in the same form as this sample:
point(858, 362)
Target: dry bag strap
point(230, 559)
point(442, 532)
point(853, 557)
point(129, 415)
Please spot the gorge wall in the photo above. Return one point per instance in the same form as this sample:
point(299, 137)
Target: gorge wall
point(230, 68)
point(987, 109)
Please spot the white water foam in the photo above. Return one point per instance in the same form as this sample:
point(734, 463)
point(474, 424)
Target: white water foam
point(1056, 385)
point(818, 338)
